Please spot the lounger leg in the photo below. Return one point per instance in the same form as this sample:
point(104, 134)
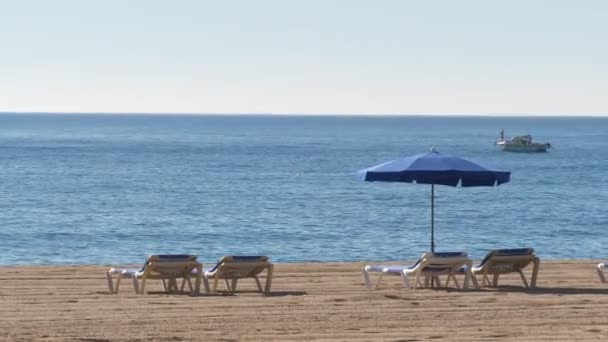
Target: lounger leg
point(417, 281)
point(197, 281)
point(485, 281)
point(535, 272)
point(495, 279)
point(110, 285)
point(215, 281)
point(600, 273)
point(135, 284)
point(205, 283)
point(269, 272)
point(185, 280)
point(473, 278)
point(227, 284)
point(437, 281)
point(447, 281)
point(142, 290)
point(368, 283)
point(257, 281)
point(165, 289)
point(233, 284)
point(117, 283)
point(406, 283)
point(523, 278)
point(455, 281)
point(470, 276)
point(467, 275)
point(189, 285)
point(378, 280)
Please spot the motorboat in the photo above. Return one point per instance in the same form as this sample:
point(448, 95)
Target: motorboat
point(521, 143)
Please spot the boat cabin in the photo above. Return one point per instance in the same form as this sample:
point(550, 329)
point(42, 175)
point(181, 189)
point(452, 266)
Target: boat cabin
point(522, 139)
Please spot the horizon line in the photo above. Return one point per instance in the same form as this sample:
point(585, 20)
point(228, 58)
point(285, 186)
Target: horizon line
point(308, 114)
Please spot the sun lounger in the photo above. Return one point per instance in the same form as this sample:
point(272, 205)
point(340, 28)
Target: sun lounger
point(503, 261)
point(234, 267)
point(429, 266)
point(602, 268)
point(167, 268)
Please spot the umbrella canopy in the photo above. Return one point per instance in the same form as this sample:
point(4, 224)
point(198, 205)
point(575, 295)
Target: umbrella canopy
point(434, 168)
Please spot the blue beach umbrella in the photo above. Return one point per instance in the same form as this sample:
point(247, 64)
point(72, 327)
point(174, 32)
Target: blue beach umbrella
point(434, 168)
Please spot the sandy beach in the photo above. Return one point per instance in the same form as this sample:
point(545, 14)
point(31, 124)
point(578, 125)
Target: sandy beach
point(323, 302)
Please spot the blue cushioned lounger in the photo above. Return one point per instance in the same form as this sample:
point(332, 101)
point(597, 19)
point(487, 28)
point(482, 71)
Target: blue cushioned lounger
point(167, 268)
point(231, 268)
point(503, 261)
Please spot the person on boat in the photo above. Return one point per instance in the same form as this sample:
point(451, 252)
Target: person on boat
point(502, 134)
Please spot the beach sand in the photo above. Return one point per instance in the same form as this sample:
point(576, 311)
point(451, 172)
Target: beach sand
point(324, 301)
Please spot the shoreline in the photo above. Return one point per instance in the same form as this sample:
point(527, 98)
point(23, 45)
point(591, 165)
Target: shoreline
point(311, 262)
point(305, 262)
point(308, 301)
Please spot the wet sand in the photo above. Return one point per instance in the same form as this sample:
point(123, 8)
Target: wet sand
point(321, 302)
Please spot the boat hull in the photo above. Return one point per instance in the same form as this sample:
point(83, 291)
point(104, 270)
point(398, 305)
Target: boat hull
point(533, 147)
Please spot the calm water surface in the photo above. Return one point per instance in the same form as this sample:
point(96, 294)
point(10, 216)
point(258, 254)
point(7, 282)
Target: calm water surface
point(101, 189)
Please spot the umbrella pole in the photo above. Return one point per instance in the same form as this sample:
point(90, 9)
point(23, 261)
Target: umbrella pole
point(433, 218)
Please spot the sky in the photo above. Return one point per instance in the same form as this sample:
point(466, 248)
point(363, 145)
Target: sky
point(515, 57)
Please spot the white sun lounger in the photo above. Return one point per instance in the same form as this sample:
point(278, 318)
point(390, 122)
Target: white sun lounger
point(602, 269)
point(167, 268)
point(429, 266)
point(231, 268)
point(503, 261)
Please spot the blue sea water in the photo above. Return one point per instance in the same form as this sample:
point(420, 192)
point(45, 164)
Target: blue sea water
point(104, 189)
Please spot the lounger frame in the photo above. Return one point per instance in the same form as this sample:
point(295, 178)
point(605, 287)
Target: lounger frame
point(429, 266)
point(504, 261)
point(233, 268)
point(164, 268)
point(602, 269)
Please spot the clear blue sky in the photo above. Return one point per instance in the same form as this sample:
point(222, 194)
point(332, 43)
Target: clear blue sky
point(326, 56)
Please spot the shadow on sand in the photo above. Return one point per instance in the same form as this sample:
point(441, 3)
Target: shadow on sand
point(554, 290)
point(217, 294)
point(538, 290)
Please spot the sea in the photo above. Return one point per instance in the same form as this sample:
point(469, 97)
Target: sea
point(111, 189)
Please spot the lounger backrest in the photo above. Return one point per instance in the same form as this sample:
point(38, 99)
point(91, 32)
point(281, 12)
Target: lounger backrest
point(171, 257)
point(444, 260)
point(240, 266)
point(420, 260)
point(171, 265)
point(448, 254)
point(512, 257)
